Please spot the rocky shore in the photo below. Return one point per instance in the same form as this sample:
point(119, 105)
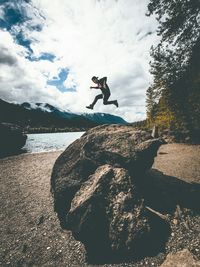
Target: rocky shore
point(30, 231)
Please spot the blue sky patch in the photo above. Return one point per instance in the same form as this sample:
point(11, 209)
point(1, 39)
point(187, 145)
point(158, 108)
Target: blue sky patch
point(3, 24)
point(15, 14)
point(21, 40)
point(59, 81)
point(47, 56)
point(12, 14)
point(43, 56)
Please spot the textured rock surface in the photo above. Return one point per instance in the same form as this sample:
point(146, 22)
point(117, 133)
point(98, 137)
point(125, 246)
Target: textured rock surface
point(181, 259)
point(95, 193)
point(11, 138)
point(108, 215)
point(119, 146)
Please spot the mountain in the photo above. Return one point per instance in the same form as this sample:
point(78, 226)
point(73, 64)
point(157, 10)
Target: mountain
point(44, 115)
point(104, 118)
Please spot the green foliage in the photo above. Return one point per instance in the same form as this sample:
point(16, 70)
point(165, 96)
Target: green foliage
point(178, 21)
point(173, 100)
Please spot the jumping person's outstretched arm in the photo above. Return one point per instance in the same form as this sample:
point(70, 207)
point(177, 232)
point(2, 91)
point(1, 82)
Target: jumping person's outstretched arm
point(101, 83)
point(94, 87)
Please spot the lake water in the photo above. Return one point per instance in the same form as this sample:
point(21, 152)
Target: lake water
point(50, 141)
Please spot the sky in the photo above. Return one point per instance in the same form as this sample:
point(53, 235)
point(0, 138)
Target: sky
point(49, 50)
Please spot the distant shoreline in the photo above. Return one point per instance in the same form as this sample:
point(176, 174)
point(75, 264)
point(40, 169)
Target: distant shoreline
point(44, 142)
point(48, 130)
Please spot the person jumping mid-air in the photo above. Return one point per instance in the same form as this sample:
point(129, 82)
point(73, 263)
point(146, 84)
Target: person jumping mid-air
point(102, 85)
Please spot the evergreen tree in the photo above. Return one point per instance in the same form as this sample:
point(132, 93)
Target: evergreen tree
point(175, 65)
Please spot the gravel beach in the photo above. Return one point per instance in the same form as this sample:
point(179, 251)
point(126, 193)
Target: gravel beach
point(30, 231)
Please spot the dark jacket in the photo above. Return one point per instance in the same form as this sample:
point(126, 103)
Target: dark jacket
point(103, 86)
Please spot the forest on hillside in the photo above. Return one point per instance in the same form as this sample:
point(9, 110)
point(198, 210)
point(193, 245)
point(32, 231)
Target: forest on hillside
point(173, 99)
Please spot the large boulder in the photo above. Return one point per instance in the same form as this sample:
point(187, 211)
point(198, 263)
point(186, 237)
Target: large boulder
point(119, 146)
point(94, 184)
point(11, 138)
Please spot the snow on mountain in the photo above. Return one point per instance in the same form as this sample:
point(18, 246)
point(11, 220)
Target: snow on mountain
point(37, 115)
point(99, 118)
point(42, 106)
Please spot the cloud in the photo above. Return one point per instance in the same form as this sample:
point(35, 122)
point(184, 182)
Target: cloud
point(103, 38)
point(20, 79)
point(6, 58)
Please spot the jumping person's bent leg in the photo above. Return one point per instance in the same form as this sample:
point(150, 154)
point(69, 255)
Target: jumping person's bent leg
point(112, 102)
point(96, 99)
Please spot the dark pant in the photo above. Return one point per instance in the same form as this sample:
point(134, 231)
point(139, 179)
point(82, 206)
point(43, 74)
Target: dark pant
point(105, 99)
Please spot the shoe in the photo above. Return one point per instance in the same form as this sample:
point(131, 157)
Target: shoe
point(116, 104)
point(89, 107)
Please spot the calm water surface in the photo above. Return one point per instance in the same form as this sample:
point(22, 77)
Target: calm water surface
point(50, 141)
